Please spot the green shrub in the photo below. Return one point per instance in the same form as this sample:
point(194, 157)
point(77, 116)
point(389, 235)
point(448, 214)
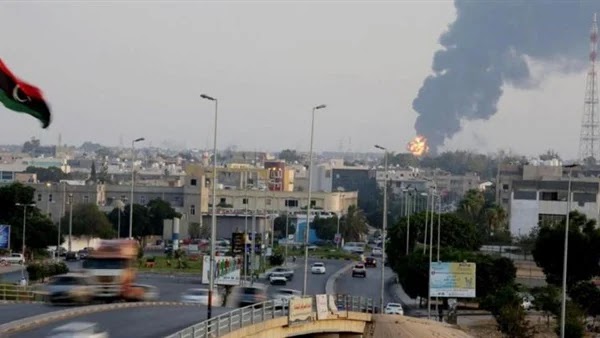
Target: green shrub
point(40, 270)
point(276, 260)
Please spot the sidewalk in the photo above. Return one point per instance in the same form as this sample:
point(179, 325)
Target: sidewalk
point(9, 269)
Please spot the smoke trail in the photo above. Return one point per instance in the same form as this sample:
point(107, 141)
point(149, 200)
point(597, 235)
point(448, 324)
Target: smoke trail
point(486, 47)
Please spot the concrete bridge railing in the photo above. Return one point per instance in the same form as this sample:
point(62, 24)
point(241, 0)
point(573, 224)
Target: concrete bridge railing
point(238, 319)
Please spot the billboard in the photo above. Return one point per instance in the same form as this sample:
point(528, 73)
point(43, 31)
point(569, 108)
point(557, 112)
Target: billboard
point(325, 306)
point(300, 309)
point(238, 242)
point(227, 270)
point(454, 280)
point(4, 236)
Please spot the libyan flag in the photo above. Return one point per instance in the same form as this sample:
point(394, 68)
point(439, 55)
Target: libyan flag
point(22, 97)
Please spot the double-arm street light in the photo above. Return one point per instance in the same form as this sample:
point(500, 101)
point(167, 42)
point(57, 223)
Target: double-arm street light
point(132, 184)
point(307, 227)
point(384, 225)
point(213, 225)
point(563, 304)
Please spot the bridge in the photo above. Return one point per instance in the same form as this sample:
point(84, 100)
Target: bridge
point(319, 316)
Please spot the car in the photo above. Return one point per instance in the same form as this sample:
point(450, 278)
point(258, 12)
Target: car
point(200, 296)
point(376, 252)
point(393, 309)
point(83, 253)
point(282, 297)
point(78, 329)
point(359, 270)
point(318, 267)
point(15, 258)
point(70, 288)
point(246, 295)
point(370, 262)
point(288, 273)
point(72, 256)
point(277, 278)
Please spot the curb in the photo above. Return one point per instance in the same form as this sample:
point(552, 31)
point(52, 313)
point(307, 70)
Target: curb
point(330, 285)
point(46, 318)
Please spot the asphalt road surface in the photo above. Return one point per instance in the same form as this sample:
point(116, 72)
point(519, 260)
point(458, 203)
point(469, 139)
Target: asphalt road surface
point(139, 323)
point(316, 283)
point(367, 287)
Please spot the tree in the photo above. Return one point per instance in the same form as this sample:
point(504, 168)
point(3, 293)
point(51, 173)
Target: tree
point(587, 296)
point(93, 176)
point(290, 156)
point(89, 222)
point(279, 226)
point(40, 231)
point(326, 228)
point(547, 300)
point(194, 230)
point(574, 321)
point(353, 225)
point(505, 305)
point(52, 174)
point(549, 155)
point(158, 211)
point(584, 250)
point(141, 221)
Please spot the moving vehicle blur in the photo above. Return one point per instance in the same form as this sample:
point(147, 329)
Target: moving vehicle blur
point(75, 288)
point(246, 295)
point(200, 296)
point(282, 296)
point(370, 262)
point(78, 330)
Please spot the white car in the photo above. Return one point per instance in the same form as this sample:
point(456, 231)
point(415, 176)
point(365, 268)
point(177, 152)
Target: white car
point(282, 296)
point(318, 268)
point(277, 278)
point(78, 329)
point(394, 309)
point(377, 252)
point(15, 258)
point(200, 296)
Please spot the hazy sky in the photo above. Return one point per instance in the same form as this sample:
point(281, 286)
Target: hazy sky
point(137, 69)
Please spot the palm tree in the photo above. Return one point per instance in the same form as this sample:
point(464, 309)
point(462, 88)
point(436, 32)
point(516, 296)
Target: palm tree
point(354, 224)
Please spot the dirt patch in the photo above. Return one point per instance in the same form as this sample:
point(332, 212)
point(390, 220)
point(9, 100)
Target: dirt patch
point(404, 326)
point(486, 327)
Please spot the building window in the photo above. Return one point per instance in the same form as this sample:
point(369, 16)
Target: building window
point(268, 201)
point(549, 196)
point(291, 203)
point(550, 219)
point(193, 181)
point(86, 199)
point(143, 200)
point(505, 187)
point(49, 197)
point(313, 203)
point(192, 209)
point(245, 201)
point(123, 198)
point(39, 198)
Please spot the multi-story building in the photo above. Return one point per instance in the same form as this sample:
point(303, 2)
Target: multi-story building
point(538, 193)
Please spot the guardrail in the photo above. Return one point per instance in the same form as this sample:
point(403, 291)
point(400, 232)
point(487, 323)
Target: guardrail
point(254, 314)
point(17, 293)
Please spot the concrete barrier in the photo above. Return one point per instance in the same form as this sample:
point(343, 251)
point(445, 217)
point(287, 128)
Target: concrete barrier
point(330, 284)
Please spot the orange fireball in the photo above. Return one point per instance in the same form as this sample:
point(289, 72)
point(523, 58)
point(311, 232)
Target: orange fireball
point(418, 146)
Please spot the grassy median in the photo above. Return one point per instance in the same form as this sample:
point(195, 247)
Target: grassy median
point(170, 265)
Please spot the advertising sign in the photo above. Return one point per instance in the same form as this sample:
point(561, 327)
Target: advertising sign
point(454, 280)
point(300, 309)
point(322, 308)
point(227, 270)
point(4, 236)
point(238, 241)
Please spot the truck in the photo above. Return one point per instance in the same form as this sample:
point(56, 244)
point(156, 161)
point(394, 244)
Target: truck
point(112, 268)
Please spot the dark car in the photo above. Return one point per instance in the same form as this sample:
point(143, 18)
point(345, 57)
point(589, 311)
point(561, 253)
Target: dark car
point(168, 249)
point(370, 262)
point(72, 256)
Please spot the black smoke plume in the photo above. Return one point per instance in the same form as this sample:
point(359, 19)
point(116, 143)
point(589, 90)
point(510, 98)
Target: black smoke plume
point(487, 47)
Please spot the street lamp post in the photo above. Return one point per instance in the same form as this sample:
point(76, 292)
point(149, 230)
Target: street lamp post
point(430, 254)
point(563, 304)
point(24, 223)
point(287, 232)
point(62, 214)
point(384, 225)
point(70, 220)
point(213, 225)
point(132, 184)
point(307, 227)
point(426, 221)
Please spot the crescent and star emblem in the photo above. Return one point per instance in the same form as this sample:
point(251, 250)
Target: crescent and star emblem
point(19, 98)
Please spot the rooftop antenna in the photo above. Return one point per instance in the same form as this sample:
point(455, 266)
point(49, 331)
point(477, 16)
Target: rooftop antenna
point(589, 140)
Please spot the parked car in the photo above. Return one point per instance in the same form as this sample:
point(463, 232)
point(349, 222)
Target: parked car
point(394, 309)
point(246, 295)
point(318, 267)
point(72, 256)
point(288, 273)
point(282, 296)
point(200, 296)
point(370, 262)
point(79, 330)
point(277, 278)
point(359, 270)
point(15, 258)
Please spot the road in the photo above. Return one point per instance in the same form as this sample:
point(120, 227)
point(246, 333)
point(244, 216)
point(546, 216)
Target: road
point(367, 287)
point(139, 322)
point(159, 321)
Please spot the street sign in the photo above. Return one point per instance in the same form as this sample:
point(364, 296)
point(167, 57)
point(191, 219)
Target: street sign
point(337, 238)
point(453, 280)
